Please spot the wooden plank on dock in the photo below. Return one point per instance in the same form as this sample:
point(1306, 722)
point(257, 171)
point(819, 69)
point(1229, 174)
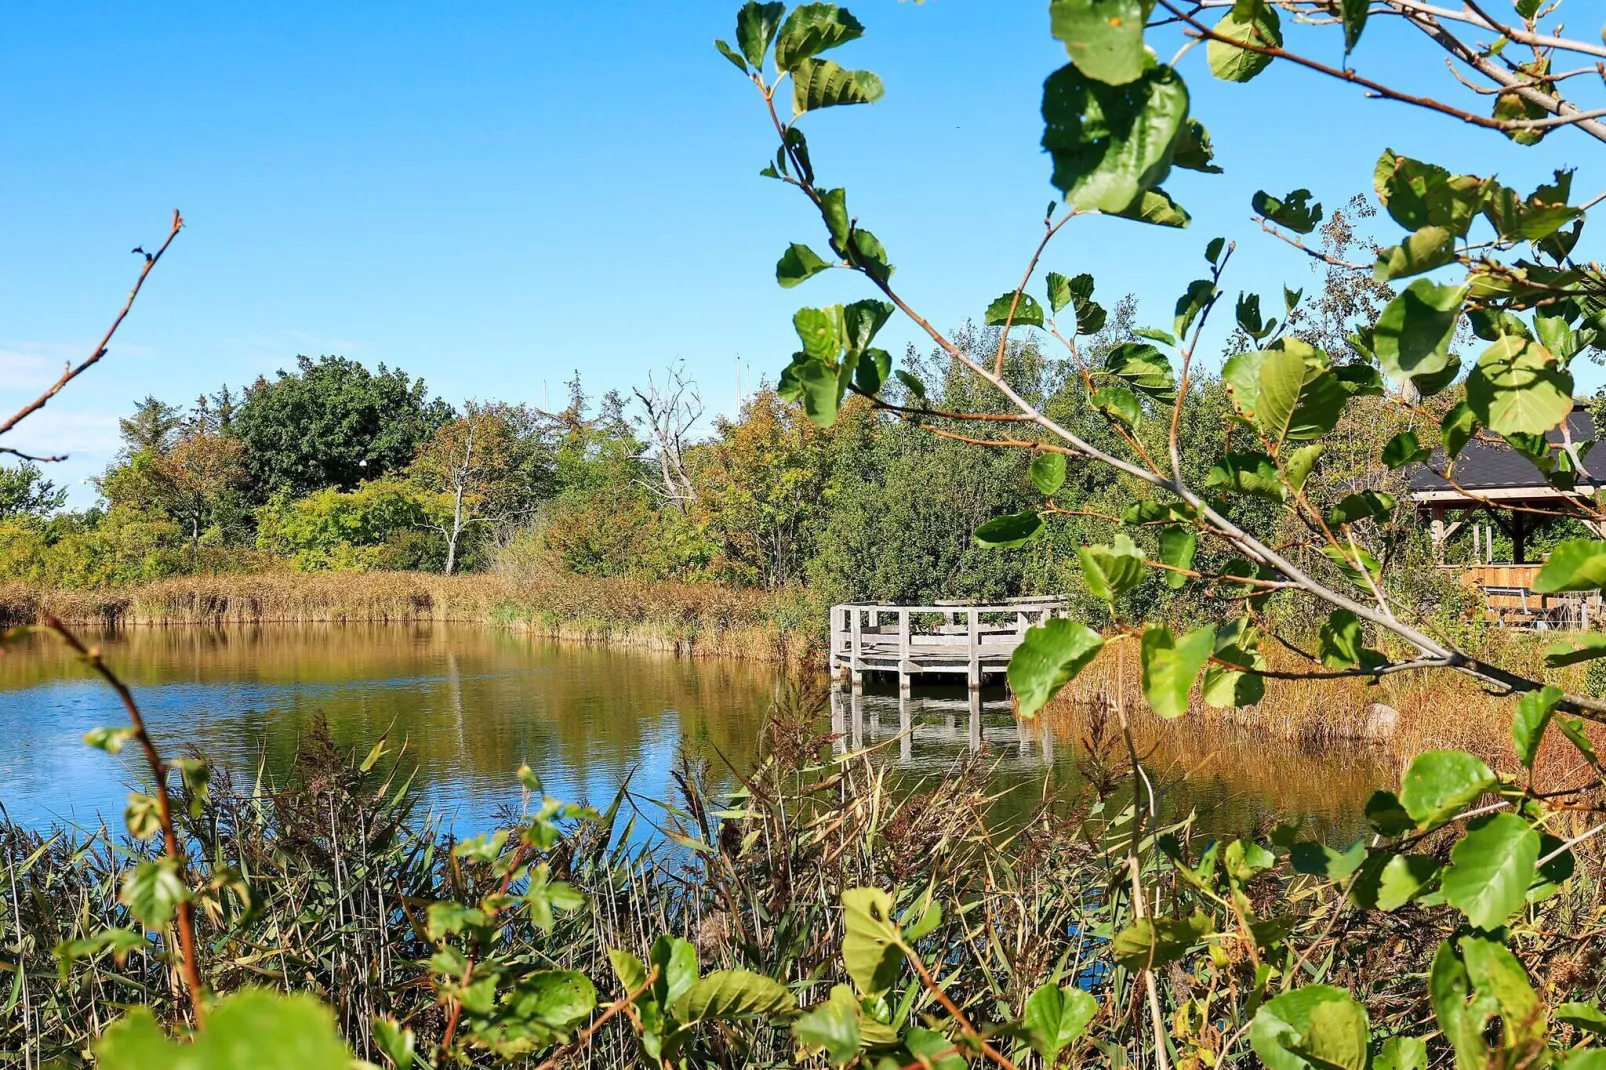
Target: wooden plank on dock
point(865, 639)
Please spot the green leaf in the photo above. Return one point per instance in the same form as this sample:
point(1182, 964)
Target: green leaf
point(142, 816)
point(1238, 643)
point(631, 971)
point(1448, 989)
point(1403, 449)
point(1457, 429)
point(1414, 332)
point(1153, 942)
point(1400, 1053)
point(819, 83)
point(1027, 313)
point(152, 892)
point(1439, 784)
point(1233, 64)
point(726, 995)
point(1533, 715)
point(1297, 464)
point(755, 28)
point(811, 29)
point(1584, 1016)
point(1367, 505)
point(872, 947)
point(1588, 648)
point(110, 740)
point(1297, 398)
point(1573, 729)
point(1110, 143)
point(861, 320)
point(797, 264)
point(1320, 860)
point(1048, 658)
point(872, 369)
point(1491, 868)
point(1193, 152)
point(676, 960)
point(731, 54)
point(1170, 666)
point(1495, 973)
point(1386, 815)
point(1048, 472)
point(1177, 546)
point(545, 1006)
point(250, 1029)
point(1341, 640)
point(869, 255)
point(1111, 571)
point(1248, 473)
point(832, 1025)
point(1421, 195)
point(1539, 216)
point(1317, 1027)
point(1119, 404)
point(1353, 13)
point(1055, 1017)
point(1142, 367)
point(1059, 291)
point(1574, 565)
point(1156, 206)
point(912, 383)
point(1104, 38)
point(396, 1042)
point(1518, 387)
point(1194, 300)
point(1012, 529)
point(1294, 211)
point(1398, 880)
point(1428, 248)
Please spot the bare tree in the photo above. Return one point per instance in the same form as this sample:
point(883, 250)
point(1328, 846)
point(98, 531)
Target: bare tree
point(672, 411)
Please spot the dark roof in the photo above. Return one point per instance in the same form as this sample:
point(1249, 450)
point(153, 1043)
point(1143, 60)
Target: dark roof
point(1496, 466)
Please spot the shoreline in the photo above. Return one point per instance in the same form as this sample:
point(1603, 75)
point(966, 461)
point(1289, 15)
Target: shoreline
point(695, 620)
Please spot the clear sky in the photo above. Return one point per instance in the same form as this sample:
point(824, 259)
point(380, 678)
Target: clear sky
point(493, 195)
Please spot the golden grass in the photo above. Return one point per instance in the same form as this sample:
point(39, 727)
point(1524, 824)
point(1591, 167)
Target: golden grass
point(1437, 709)
point(686, 618)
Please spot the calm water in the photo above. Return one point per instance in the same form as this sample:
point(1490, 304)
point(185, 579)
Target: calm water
point(473, 703)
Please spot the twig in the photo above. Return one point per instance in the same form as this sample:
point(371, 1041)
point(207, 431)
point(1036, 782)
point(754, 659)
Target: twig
point(189, 967)
point(74, 371)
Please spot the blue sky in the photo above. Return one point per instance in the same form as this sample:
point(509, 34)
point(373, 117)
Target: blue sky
point(494, 195)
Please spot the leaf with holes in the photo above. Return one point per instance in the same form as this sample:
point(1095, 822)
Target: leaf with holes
point(1110, 143)
point(1006, 309)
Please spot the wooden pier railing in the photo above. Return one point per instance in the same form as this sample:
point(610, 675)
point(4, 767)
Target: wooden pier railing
point(946, 638)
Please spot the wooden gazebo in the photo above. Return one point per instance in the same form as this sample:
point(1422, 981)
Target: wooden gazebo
point(1492, 487)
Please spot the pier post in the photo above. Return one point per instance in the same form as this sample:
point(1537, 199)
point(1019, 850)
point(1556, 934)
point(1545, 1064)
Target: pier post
point(973, 641)
point(857, 663)
point(905, 665)
point(906, 743)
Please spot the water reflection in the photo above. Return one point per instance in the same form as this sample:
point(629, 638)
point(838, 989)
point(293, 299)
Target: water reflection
point(941, 725)
point(470, 704)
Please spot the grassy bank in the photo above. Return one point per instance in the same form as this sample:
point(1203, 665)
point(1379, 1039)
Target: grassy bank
point(692, 619)
point(1436, 709)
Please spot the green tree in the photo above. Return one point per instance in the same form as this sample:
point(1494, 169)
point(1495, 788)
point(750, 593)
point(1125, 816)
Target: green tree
point(333, 423)
point(491, 463)
point(25, 492)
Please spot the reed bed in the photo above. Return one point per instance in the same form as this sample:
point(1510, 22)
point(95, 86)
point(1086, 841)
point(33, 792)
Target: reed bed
point(342, 869)
point(1436, 710)
point(693, 619)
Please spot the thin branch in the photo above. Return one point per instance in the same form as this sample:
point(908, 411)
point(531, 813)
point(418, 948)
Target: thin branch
point(74, 371)
point(189, 965)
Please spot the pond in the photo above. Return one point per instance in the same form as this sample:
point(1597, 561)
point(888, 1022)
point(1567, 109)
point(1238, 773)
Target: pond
point(472, 703)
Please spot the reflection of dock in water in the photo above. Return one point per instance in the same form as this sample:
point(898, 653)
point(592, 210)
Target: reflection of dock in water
point(938, 728)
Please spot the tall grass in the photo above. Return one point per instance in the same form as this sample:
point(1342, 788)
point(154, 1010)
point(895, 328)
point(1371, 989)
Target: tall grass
point(343, 869)
point(1436, 709)
point(687, 618)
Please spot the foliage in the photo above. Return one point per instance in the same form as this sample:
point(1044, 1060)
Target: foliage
point(25, 492)
point(333, 423)
point(383, 524)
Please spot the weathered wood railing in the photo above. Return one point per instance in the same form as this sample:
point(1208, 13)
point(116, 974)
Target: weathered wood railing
point(947, 638)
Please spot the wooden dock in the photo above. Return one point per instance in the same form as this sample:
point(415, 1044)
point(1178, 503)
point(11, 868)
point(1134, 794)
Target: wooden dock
point(945, 639)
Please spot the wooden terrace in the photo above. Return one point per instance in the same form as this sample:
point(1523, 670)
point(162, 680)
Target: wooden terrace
point(966, 639)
